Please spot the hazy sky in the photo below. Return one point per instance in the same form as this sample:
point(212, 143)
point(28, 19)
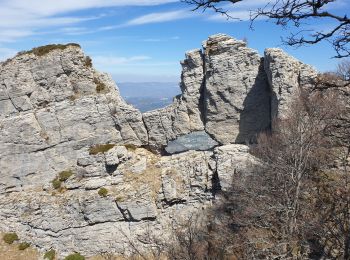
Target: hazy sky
point(142, 40)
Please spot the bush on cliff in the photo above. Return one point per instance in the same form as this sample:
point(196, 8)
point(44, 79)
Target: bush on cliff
point(103, 192)
point(9, 238)
point(23, 246)
point(64, 175)
point(75, 256)
point(50, 255)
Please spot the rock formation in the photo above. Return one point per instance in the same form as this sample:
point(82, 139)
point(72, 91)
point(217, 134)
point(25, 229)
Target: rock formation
point(286, 76)
point(65, 133)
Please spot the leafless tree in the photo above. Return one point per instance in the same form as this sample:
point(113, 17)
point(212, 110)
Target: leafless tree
point(332, 224)
point(295, 13)
point(343, 69)
point(269, 213)
point(191, 238)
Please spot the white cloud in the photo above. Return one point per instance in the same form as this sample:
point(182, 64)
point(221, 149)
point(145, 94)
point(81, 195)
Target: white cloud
point(16, 15)
point(160, 17)
point(108, 61)
point(54, 7)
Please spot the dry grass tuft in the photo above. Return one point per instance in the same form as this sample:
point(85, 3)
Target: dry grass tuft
point(100, 148)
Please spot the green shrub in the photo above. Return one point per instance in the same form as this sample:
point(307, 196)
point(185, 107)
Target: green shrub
point(75, 256)
point(9, 238)
point(100, 148)
point(103, 192)
point(56, 183)
point(50, 255)
point(63, 176)
point(23, 246)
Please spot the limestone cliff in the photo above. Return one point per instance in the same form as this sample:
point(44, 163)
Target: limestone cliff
point(65, 133)
point(229, 91)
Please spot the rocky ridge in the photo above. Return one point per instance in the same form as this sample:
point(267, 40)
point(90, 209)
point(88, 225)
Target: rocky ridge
point(59, 115)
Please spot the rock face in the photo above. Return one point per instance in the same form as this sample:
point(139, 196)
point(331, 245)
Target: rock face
point(286, 76)
point(54, 105)
point(66, 133)
point(145, 191)
point(186, 113)
point(229, 91)
point(237, 96)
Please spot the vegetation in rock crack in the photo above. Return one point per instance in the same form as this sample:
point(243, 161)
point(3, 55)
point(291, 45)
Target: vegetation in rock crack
point(131, 147)
point(88, 62)
point(75, 256)
point(100, 148)
point(64, 175)
point(43, 50)
point(103, 192)
point(23, 245)
point(100, 86)
point(9, 238)
point(56, 183)
point(50, 255)
point(119, 199)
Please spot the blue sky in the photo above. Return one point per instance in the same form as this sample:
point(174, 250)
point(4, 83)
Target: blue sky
point(143, 40)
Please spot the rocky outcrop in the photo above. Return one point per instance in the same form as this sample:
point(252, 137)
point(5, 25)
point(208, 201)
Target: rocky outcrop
point(186, 113)
point(286, 77)
point(229, 91)
point(53, 106)
point(237, 97)
point(145, 191)
point(75, 174)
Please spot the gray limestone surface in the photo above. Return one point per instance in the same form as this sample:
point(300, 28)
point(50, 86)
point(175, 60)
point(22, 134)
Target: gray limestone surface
point(60, 116)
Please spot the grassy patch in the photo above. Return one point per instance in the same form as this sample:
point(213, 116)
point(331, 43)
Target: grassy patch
point(64, 175)
point(131, 147)
point(43, 50)
point(50, 255)
point(9, 238)
point(23, 246)
point(100, 148)
point(75, 256)
point(56, 183)
point(103, 192)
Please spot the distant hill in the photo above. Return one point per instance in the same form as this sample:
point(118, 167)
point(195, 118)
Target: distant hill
point(147, 96)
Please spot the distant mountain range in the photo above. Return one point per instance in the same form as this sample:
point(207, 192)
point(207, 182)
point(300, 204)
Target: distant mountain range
point(148, 96)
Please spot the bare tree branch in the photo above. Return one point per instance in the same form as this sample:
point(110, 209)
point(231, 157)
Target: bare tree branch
point(295, 13)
